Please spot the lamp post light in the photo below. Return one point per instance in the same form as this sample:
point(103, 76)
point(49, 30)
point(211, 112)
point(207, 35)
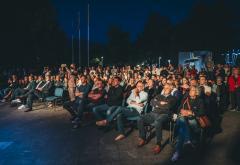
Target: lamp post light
point(169, 61)
point(159, 61)
point(102, 60)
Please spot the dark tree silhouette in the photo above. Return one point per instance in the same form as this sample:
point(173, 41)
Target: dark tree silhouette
point(31, 34)
point(156, 39)
point(118, 46)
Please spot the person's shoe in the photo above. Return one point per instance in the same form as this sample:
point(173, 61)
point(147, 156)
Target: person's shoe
point(188, 142)
point(232, 110)
point(3, 100)
point(141, 142)
point(175, 157)
point(27, 109)
point(156, 149)
point(76, 120)
point(15, 101)
point(21, 107)
point(101, 123)
point(75, 126)
point(238, 109)
point(119, 137)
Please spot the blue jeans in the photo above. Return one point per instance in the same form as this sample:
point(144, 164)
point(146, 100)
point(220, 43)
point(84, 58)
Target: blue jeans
point(68, 105)
point(184, 130)
point(155, 119)
point(4, 92)
point(100, 111)
point(124, 112)
point(104, 111)
point(78, 107)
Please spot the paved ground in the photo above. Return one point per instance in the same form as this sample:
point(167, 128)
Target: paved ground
point(45, 137)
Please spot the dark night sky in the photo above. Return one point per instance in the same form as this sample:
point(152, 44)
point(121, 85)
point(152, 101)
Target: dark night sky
point(130, 15)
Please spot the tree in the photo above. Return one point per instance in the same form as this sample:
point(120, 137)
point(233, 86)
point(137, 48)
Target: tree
point(209, 27)
point(31, 34)
point(119, 48)
point(156, 39)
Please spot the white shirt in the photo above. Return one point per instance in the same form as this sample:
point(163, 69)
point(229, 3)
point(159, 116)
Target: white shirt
point(142, 98)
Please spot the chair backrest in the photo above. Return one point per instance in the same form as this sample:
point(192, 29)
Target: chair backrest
point(147, 108)
point(58, 92)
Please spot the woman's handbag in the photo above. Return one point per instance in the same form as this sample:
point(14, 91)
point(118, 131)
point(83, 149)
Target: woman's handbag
point(204, 122)
point(183, 110)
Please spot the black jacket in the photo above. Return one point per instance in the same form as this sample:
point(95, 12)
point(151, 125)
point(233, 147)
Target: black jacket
point(196, 105)
point(47, 87)
point(166, 108)
point(115, 96)
point(222, 96)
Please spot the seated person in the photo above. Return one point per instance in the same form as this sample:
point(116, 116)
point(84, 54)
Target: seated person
point(136, 102)
point(21, 89)
point(6, 92)
point(77, 108)
point(40, 83)
point(9, 91)
point(162, 107)
point(150, 89)
point(114, 100)
point(25, 92)
point(129, 87)
point(58, 83)
point(191, 108)
point(96, 96)
point(41, 91)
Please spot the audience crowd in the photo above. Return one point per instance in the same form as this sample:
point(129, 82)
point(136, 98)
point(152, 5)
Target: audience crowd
point(145, 95)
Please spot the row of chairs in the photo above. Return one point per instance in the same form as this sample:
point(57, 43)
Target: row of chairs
point(170, 126)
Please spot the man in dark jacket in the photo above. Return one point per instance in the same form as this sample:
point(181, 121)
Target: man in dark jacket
point(222, 95)
point(114, 99)
point(162, 108)
point(29, 90)
point(41, 92)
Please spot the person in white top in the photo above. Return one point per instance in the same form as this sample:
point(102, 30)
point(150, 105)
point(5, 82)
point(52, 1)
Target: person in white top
point(136, 102)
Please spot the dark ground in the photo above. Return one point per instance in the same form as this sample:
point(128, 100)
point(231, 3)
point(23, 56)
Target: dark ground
point(45, 137)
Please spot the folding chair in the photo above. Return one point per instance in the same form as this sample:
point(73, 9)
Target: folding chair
point(171, 126)
point(58, 96)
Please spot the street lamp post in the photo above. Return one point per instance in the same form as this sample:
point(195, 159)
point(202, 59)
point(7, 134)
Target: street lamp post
point(169, 61)
point(159, 61)
point(102, 60)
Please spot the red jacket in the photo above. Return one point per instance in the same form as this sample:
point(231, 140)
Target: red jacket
point(231, 83)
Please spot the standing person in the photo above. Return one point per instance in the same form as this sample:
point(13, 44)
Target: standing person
point(221, 93)
point(71, 74)
point(234, 90)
